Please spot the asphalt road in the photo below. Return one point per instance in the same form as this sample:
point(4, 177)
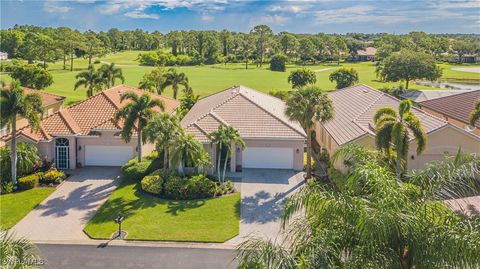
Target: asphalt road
point(118, 257)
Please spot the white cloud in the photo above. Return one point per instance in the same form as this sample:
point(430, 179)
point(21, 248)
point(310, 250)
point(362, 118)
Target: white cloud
point(55, 7)
point(137, 14)
point(270, 20)
point(207, 18)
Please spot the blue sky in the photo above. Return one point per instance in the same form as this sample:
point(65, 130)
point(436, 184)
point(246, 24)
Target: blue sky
point(306, 16)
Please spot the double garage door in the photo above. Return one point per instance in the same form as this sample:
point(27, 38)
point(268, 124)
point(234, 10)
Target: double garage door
point(263, 157)
point(107, 155)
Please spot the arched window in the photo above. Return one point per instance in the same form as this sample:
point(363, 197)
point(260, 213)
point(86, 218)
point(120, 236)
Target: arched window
point(62, 153)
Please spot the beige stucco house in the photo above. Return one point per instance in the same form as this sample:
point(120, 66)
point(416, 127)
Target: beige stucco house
point(273, 141)
point(353, 123)
point(85, 135)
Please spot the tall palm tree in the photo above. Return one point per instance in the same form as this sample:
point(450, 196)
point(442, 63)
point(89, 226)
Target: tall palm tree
point(136, 113)
point(376, 223)
point(163, 130)
point(17, 252)
point(15, 103)
point(111, 73)
point(475, 115)
point(175, 79)
point(394, 129)
point(91, 80)
point(225, 136)
point(307, 105)
point(185, 148)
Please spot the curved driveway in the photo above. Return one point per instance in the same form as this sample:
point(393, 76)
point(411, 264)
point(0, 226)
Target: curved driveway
point(64, 214)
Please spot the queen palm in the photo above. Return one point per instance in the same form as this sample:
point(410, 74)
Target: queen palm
point(307, 105)
point(392, 129)
point(186, 148)
point(175, 79)
point(91, 80)
point(111, 73)
point(225, 137)
point(163, 130)
point(373, 222)
point(475, 114)
point(135, 115)
point(15, 103)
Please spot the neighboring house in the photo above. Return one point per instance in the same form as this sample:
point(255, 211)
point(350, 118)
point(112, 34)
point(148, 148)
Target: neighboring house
point(418, 96)
point(3, 56)
point(84, 134)
point(368, 54)
point(455, 109)
point(470, 58)
point(353, 123)
point(51, 102)
point(273, 141)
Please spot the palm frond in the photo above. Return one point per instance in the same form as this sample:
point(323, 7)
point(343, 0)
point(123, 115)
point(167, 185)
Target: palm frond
point(383, 112)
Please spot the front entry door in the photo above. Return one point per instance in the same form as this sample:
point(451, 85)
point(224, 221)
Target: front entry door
point(62, 153)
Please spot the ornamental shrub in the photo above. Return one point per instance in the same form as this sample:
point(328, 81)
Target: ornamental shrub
point(133, 170)
point(152, 184)
point(28, 182)
point(175, 188)
point(200, 187)
point(277, 63)
point(52, 177)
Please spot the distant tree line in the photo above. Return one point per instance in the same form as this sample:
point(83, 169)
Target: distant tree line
point(45, 44)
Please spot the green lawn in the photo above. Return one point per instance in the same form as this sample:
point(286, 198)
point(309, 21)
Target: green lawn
point(151, 218)
point(15, 206)
point(209, 79)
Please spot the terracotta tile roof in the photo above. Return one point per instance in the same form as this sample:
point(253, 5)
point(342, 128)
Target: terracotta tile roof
point(253, 114)
point(354, 109)
point(48, 99)
point(458, 106)
point(96, 112)
point(369, 51)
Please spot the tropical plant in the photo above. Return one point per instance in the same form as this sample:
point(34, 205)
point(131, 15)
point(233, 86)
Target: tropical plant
point(225, 137)
point(30, 75)
point(302, 77)
point(175, 79)
point(392, 128)
point(344, 77)
point(91, 80)
point(186, 150)
point(17, 252)
point(475, 114)
point(135, 115)
point(376, 223)
point(307, 105)
point(153, 81)
point(15, 103)
point(163, 130)
point(27, 158)
point(110, 73)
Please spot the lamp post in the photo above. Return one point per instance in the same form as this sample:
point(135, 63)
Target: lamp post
point(119, 220)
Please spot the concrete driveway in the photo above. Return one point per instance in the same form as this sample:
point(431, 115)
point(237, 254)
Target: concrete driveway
point(64, 214)
point(263, 193)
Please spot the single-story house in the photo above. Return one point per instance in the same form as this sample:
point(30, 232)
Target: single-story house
point(84, 134)
point(368, 54)
point(272, 140)
point(455, 109)
point(51, 102)
point(353, 123)
point(3, 56)
point(470, 58)
point(418, 96)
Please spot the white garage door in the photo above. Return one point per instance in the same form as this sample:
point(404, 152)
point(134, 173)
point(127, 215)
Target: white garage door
point(259, 157)
point(107, 155)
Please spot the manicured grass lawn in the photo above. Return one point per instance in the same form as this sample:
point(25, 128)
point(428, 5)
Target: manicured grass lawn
point(151, 218)
point(209, 79)
point(15, 206)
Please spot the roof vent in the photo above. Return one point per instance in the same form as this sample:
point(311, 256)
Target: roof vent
point(365, 90)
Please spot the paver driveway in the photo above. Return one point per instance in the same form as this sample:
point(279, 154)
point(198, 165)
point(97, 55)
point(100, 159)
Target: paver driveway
point(263, 193)
point(64, 214)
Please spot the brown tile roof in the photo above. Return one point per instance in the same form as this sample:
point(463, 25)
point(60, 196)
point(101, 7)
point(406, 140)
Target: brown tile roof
point(48, 99)
point(354, 109)
point(458, 106)
point(369, 51)
point(96, 112)
point(253, 114)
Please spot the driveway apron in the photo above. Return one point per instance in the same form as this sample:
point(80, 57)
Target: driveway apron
point(64, 214)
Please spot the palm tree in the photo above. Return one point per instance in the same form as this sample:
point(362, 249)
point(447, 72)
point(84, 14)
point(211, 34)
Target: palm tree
point(307, 105)
point(15, 103)
point(153, 81)
point(174, 79)
point(475, 115)
point(163, 130)
point(225, 136)
point(394, 129)
point(91, 80)
point(110, 73)
point(376, 223)
point(136, 113)
point(17, 252)
point(186, 148)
